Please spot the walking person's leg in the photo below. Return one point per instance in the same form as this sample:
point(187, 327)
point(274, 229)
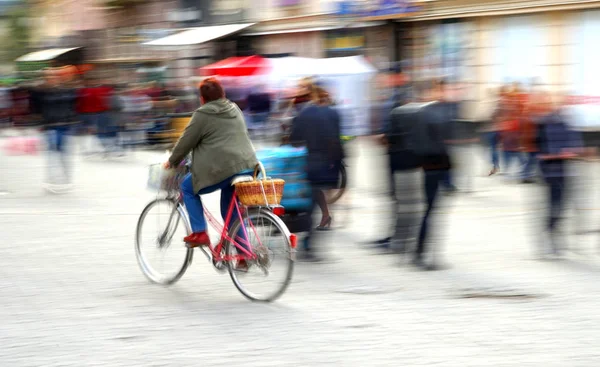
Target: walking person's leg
point(385, 243)
point(407, 211)
point(557, 190)
point(507, 161)
point(61, 149)
point(448, 181)
point(307, 245)
point(432, 182)
point(51, 156)
point(494, 149)
point(325, 215)
point(529, 167)
point(492, 140)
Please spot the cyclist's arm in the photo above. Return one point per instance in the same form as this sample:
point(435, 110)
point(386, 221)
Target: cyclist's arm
point(191, 137)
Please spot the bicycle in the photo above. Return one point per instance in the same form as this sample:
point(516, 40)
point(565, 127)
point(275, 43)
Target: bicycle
point(231, 247)
point(336, 194)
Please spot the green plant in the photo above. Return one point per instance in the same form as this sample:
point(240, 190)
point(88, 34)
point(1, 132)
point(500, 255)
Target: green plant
point(18, 33)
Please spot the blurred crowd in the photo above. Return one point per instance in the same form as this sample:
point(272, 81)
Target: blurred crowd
point(528, 133)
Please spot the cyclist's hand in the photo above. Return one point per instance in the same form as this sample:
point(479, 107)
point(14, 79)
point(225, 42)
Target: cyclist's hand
point(167, 165)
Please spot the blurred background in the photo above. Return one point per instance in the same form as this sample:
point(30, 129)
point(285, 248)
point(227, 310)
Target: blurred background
point(92, 92)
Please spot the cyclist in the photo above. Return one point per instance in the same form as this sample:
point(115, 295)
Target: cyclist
point(221, 150)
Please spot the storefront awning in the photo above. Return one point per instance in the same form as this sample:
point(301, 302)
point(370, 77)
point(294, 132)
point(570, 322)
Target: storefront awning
point(45, 55)
point(195, 36)
point(296, 30)
point(322, 28)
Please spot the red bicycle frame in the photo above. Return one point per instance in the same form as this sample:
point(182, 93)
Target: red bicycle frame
point(241, 244)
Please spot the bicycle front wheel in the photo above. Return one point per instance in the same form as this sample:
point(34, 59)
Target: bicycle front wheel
point(267, 277)
point(159, 248)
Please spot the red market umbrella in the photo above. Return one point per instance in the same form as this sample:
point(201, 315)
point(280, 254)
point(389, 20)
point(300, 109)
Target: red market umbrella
point(238, 66)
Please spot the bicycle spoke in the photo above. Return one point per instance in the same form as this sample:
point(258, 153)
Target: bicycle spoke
point(267, 278)
point(165, 264)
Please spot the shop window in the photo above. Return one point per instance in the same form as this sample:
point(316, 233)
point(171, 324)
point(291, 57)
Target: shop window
point(446, 51)
point(519, 51)
point(344, 42)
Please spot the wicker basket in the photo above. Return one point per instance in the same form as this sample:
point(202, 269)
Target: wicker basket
point(263, 192)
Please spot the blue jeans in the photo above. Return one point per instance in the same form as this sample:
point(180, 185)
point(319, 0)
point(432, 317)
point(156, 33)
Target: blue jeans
point(194, 207)
point(509, 157)
point(57, 137)
point(492, 139)
point(447, 181)
point(101, 121)
point(529, 171)
point(57, 145)
point(193, 204)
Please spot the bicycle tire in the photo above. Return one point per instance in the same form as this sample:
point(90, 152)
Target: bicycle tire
point(254, 214)
point(146, 269)
point(336, 194)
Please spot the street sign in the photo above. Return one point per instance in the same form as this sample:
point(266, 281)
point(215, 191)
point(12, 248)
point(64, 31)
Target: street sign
point(379, 9)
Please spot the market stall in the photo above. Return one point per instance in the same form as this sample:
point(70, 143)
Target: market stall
point(238, 67)
point(347, 79)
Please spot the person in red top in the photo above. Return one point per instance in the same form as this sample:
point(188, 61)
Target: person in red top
point(534, 110)
point(93, 106)
point(510, 134)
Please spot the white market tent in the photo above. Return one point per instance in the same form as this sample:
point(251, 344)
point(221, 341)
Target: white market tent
point(348, 80)
point(45, 55)
point(195, 36)
point(286, 71)
point(353, 65)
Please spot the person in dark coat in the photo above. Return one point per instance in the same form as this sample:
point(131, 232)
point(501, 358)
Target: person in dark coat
point(56, 101)
point(558, 144)
point(430, 139)
point(317, 126)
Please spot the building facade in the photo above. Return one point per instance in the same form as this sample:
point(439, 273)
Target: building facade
point(543, 45)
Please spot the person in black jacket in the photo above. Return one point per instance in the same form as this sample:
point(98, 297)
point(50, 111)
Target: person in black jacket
point(404, 166)
point(317, 126)
point(56, 101)
point(430, 141)
point(559, 143)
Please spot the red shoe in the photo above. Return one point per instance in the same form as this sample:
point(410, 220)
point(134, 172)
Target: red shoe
point(197, 239)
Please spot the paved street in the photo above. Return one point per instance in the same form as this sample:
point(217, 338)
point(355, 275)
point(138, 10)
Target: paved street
point(72, 295)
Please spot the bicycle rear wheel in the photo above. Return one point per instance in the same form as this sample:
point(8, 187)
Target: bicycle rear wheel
point(268, 276)
point(336, 194)
point(159, 247)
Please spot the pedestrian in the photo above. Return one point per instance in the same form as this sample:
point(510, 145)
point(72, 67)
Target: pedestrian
point(398, 135)
point(450, 107)
point(510, 135)
point(58, 108)
point(537, 108)
point(259, 109)
point(94, 107)
point(431, 137)
point(317, 127)
point(558, 144)
point(492, 126)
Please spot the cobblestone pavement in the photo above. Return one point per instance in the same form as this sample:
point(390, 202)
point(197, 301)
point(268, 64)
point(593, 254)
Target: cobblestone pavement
point(72, 295)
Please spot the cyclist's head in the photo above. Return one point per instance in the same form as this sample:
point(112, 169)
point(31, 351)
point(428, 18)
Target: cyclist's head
point(211, 90)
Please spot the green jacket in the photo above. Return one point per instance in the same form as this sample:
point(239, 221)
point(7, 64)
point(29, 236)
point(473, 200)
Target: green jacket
point(218, 139)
